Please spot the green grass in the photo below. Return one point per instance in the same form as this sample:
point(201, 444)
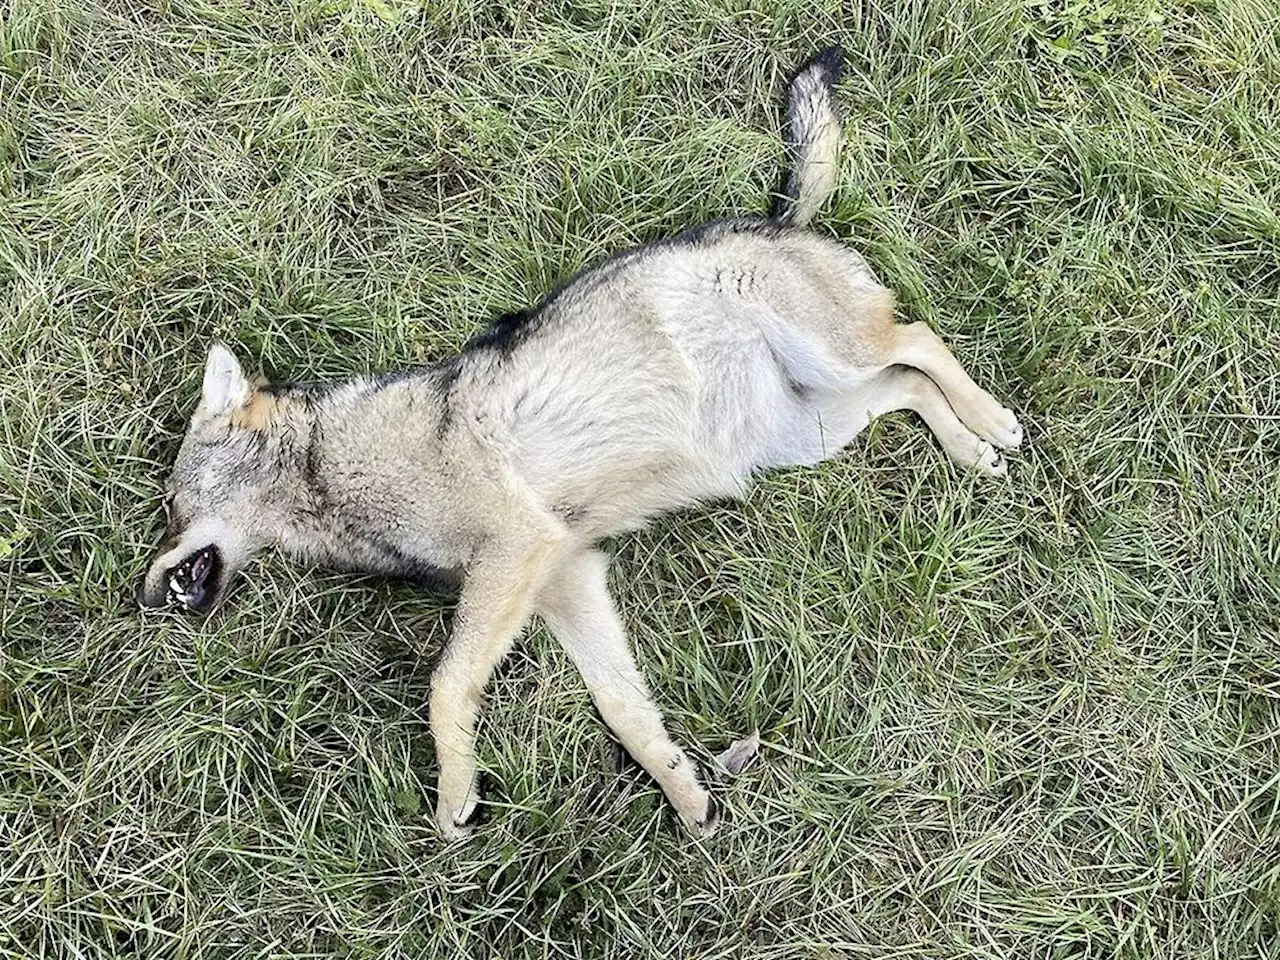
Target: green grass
point(1037, 718)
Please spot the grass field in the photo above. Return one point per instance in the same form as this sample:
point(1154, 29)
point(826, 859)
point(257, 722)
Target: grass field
point(1035, 718)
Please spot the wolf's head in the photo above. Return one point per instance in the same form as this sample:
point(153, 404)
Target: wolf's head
point(229, 495)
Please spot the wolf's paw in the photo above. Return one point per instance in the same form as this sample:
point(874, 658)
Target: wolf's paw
point(1006, 430)
point(990, 461)
point(996, 424)
point(458, 822)
point(702, 823)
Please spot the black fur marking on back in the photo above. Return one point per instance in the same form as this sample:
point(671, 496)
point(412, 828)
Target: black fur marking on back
point(504, 334)
point(447, 373)
point(380, 381)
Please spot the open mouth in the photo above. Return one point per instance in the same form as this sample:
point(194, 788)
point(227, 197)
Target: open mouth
point(194, 582)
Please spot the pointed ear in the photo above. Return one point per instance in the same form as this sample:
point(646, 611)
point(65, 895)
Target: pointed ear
point(225, 386)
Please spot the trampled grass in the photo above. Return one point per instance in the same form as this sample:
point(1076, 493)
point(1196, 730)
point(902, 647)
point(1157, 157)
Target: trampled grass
point(1033, 718)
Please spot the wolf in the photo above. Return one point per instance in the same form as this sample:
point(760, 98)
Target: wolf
point(666, 376)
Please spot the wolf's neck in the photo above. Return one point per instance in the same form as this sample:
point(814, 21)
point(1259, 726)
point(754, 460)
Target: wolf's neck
point(368, 467)
point(387, 410)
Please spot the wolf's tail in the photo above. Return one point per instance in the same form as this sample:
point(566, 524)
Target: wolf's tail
point(813, 137)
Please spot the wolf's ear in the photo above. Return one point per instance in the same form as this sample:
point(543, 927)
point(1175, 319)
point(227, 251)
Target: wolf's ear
point(225, 386)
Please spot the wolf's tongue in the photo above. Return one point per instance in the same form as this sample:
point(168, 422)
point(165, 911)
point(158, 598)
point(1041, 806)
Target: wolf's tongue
point(200, 568)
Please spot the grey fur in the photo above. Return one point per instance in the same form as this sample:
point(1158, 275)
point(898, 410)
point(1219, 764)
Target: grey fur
point(664, 377)
point(813, 138)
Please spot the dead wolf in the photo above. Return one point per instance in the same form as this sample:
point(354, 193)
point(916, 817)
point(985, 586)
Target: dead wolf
point(664, 377)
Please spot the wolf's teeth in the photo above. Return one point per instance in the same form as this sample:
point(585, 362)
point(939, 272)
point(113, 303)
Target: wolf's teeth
point(174, 585)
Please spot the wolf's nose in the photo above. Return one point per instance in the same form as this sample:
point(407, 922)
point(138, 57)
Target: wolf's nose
point(147, 600)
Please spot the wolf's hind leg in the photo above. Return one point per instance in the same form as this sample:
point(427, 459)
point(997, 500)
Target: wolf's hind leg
point(916, 345)
point(906, 388)
point(577, 608)
point(496, 600)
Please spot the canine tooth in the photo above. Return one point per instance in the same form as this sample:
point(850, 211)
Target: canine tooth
point(175, 586)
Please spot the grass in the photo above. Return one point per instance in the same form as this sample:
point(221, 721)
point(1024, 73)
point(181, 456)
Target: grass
point(1037, 718)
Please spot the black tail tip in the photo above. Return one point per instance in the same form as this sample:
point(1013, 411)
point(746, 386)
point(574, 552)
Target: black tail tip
point(829, 64)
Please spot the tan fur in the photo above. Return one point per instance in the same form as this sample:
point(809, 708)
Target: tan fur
point(259, 413)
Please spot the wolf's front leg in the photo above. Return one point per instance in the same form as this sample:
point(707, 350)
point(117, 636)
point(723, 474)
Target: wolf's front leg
point(497, 597)
point(576, 606)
